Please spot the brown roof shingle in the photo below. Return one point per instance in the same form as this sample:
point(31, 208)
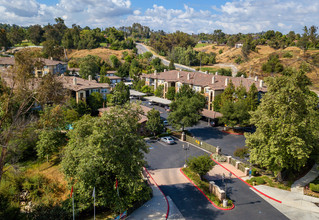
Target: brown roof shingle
point(81, 84)
point(204, 80)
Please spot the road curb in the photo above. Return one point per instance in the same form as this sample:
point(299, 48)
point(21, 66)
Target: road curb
point(231, 133)
point(167, 213)
point(246, 182)
point(216, 206)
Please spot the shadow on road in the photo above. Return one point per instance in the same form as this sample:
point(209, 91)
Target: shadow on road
point(190, 202)
point(207, 133)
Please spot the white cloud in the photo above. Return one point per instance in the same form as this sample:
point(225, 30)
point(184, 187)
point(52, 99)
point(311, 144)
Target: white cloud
point(82, 12)
point(232, 17)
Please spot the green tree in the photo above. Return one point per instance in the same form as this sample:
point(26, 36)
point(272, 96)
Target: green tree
point(159, 91)
point(89, 65)
point(115, 62)
point(252, 98)
point(286, 122)
point(170, 95)
point(201, 164)
point(147, 89)
point(105, 79)
point(4, 41)
point(50, 90)
point(185, 111)
point(35, 34)
point(95, 101)
point(154, 122)
point(184, 91)
point(217, 103)
point(228, 94)
point(52, 49)
point(121, 94)
point(16, 35)
point(147, 55)
point(98, 155)
point(49, 143)
point(171, 65)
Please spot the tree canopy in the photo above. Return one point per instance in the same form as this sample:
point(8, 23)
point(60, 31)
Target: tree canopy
point(185, 110)
point(287, 124)
point(97, 155)
point(154, 122)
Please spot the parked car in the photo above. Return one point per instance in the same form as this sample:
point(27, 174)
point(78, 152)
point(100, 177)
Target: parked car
point(168, 140)
point(165, 122)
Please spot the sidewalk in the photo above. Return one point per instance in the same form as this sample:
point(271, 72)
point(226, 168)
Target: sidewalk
point(294, 205)
point(156, 208)
point(299, 185)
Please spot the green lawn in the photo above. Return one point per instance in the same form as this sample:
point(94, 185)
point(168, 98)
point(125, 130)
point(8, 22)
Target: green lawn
point(201, 45)
point(103, 44)
point(209, 69)
point(24, 43)
point(269, 181)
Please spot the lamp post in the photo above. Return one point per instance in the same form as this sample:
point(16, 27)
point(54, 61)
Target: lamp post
point(186, 148)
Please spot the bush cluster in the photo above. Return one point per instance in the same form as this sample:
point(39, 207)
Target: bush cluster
point(314, 187)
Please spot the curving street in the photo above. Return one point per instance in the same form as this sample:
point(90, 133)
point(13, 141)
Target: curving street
point(164, 162)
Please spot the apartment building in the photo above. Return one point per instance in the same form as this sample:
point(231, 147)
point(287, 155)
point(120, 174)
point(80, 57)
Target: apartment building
point(49, 66)
point(81, 89)
point(209, 85)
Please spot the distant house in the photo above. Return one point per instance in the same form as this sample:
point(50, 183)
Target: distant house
point(81, 89)
point(239, 45)
point(49, 66)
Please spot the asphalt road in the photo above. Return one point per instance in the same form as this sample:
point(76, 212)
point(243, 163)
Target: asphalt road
point(191, 203)
point(211, 135)
point(214, 136)
point(142, 49)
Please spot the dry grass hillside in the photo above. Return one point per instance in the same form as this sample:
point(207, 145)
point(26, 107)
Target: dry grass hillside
point(104, 53)
point(256, 59)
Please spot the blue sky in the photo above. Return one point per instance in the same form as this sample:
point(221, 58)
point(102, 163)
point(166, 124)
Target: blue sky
point(191, 16)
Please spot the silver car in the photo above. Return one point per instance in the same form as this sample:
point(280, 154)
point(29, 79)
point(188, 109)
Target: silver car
point(168, 140)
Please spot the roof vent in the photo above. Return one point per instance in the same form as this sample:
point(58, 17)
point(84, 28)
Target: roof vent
point(242, 76)
point(90, 77)
point(206, 72)
point(256, 78)
point(213, 80)
point(155, 72)
point(74, 81)
point(178, 75)
point(188, 76)
point(164, 70)
point(216, 73)
point(226, 82)
point(261, 83)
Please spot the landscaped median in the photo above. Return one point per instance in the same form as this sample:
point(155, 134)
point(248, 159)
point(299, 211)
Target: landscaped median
point(203, 187)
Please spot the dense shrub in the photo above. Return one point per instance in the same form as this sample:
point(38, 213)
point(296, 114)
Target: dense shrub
point(314, 187)
point(241, 152)
point(238, 60)
point(287, 55)
point(219, 158)
point(201, 164)
point(258, 180)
